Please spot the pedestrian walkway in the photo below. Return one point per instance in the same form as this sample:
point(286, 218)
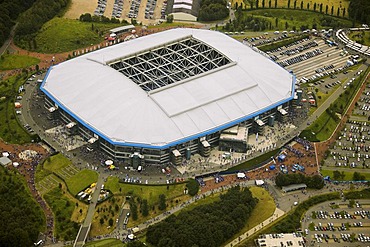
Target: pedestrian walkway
point(277, 214)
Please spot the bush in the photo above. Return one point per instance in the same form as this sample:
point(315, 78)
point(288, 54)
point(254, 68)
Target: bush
point(192, 186)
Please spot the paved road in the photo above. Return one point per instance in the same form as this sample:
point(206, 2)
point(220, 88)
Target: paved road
point(85, 227)
point(7, 42)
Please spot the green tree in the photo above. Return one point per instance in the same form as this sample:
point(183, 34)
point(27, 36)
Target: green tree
point(169, 18)
point(110, 222)
point(314, 7)
point(193, 187)
point(275, 4)
point(288, 4)
point(270, 4)
point(326, 9)
point(101, 221)
point(358, 176)
point(301, 4)
point(162, 202)
point(145, 207)
point(336, 175)
point(263, 3)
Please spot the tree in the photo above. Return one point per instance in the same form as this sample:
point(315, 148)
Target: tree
point(286, 25)
point(358, 176)
point(308, 6)
point(344, 12)
point(301, 4)
point(37, 67)
point(162, 202)
point(275, 4)
point(263, 3)
point(336, 175)
point(193, 186)
point(288, 4)
point(110, 222)
point(326, 9)
point(257, 3)
point(270, 4)
point(276, 22)
point(332, 10)
point(338, 11)
point(169, 18)
point(295, 4)
point(320, 7)
point(145, 207)
point(314, 7)
point(101, 221)
point(133, 209)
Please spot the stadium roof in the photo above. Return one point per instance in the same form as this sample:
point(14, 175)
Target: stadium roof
point(208, 96)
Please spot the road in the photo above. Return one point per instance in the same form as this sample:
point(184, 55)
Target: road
point(7, 42)
point(85, 227)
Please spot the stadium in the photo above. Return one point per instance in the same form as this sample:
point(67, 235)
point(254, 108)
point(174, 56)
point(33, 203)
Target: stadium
point(163, 97)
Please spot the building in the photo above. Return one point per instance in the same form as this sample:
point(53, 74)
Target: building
point(293, 187)
point(280, 240)
point(5, 161)
point(186, 10)
point(121, 30)
point(173, 90)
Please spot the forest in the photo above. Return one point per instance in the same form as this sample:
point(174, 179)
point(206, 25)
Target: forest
point(22, 218)
point(9, 12)
point(359, 10)
point(212, 10)
point(206, 225)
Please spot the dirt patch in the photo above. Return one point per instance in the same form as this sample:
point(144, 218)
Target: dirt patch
point(80, 7)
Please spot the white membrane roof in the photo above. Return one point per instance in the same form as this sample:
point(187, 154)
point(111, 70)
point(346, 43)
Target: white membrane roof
point(119, 110)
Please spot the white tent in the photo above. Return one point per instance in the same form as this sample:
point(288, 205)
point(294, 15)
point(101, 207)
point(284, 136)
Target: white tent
point(260, 182)
point(240, 175)
point(15, 164)
point(5, 154)
point(109, 162)
point(131, 236)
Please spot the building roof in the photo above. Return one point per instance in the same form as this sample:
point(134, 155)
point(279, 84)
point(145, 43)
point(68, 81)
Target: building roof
point(114, 106)
point(293, 187)
point(121, 29)
point(5, 161)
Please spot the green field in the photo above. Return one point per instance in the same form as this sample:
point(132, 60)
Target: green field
point(321, 129)
point(81, 180)
point(111, 242)
point(254, 162)
point(360, 37)
point(12, 61)
point(151, 193)
point(50, 165)
point(10, 129)
point(63, 209)
point(348, 175)
point(62, 35)
point(298, 18)
point(284, 4)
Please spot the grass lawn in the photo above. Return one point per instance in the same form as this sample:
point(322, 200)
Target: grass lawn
point(62, 207)
point(81, 180)
point(62, 35)
point(10, 129)
point(348, 175)
point(207, 200)
point(284, 4)
point(12, 61)
point(297, 18)
point(321, 129)
point(56, 162)
point(254, 162)
point(360, 37)
point(149, 192)
point(106, 210)
point(111, 242)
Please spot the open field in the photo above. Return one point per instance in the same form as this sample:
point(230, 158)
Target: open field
point(297, 18)
point(151, 193)
point(321, 129)
point(81, 180)
point(360, 37)
point(10, 129)
point(62, 35)
point(12, 61)
point(56, 162)
point(254, 162)
point(79, 7)
point(348, 175)
point(110, 242)
point(284, 4)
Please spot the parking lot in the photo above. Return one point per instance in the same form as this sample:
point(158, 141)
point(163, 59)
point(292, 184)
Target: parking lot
point(335, 223)
point(310, 58)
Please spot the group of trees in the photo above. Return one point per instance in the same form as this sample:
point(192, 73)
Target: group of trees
point(22, 218)
point(313, 182)
point(212, 10)
point(296, 4)
point(359, 10)
point(192, 186)
point(205, 225)
point(41, 11)
point(9, 12)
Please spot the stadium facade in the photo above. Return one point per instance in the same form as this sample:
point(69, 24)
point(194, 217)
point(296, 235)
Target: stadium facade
point(168, 95)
